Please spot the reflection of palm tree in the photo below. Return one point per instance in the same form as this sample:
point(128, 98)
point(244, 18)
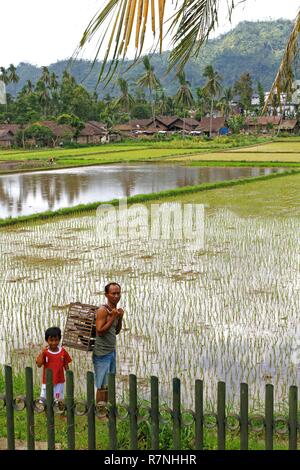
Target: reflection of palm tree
point(128, 181)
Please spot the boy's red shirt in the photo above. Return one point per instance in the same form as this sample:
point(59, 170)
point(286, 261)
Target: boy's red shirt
point(57, 362)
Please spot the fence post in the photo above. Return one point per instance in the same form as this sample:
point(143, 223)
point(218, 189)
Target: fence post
point(244, 410)
point(154, 414)
point(269, 414)
point(49, 410)
point(293, 412)
point(90, 391)
point(112, 420)
point(133, 411)
point(198, 415)
point(221, 416)
point(29, 408)
point(9, 408)
point(70, 409)
point(176, 415)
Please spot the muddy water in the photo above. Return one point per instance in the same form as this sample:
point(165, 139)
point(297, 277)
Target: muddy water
point(28, 193)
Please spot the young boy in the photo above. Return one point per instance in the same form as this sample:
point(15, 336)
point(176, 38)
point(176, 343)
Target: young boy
point(56, 358)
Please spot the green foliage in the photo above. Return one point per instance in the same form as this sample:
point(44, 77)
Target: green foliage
point(236, 123)
point(41, 134)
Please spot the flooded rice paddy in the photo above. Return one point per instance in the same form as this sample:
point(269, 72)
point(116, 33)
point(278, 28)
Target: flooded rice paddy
point(28, 193)
point(229, 311)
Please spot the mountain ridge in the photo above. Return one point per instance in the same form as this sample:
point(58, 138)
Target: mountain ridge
point(250, 47)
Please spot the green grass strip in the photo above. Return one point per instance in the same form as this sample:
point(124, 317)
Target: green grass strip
point(232, 163)
point(139, 198)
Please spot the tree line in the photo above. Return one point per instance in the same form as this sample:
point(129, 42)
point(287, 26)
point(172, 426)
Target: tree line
point(68, 102)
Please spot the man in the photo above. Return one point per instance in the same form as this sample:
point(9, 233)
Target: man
point(108, 325)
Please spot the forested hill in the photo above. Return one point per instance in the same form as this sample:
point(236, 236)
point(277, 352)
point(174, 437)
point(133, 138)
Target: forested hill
point(254, 47)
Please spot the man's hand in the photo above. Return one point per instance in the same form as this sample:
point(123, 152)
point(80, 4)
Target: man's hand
point(121, 312)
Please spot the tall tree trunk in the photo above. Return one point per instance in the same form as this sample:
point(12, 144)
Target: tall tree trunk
point(211, 113)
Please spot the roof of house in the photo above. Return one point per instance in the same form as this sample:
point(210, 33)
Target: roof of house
point(59, 130)
point(6, 134)
point(288, 124)
point(90, 129)
point(263, 120)
point(10, 127)
point(140, 123)
point(217, 124)
point(97, 124)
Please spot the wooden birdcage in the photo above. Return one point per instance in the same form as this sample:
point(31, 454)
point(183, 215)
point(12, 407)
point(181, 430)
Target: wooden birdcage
point(80, 329)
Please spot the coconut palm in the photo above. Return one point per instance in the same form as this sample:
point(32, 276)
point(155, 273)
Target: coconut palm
point(212, 88)
point(126, 100)
point(150, 81)
point(184, 97)
point(284, 78)
point(45, 76)
point(191, 23)
point(225, 101)
point(28, 87)
point(4, 75)
point(13, 76)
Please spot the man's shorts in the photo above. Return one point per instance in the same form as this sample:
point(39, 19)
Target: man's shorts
point(104, 365)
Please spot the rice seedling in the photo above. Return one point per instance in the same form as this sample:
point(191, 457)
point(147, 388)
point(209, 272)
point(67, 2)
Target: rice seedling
point(226, 312)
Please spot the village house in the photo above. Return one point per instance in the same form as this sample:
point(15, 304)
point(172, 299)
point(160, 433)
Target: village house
point(289, 125)
point(6, 138)
point(93, 133)
point(262, 123)
point(159, 124)
point(218, 126)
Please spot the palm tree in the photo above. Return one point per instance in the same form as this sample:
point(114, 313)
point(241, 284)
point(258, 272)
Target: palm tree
point(150, 81)
point(43, 95)
point(284, 78)
point(162, 103)
point(126, 100)
point(192, 22)
point(13, 76)
point(53, 82)
point(225, 101)
point(184, 97)
point(45, 76)
point(4, 76)
point(212, 88)
point(28, 87)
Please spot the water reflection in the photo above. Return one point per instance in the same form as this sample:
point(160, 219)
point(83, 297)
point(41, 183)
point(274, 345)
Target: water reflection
point(28, 193)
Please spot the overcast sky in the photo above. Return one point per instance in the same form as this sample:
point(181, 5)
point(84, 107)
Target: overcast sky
point(42, 32)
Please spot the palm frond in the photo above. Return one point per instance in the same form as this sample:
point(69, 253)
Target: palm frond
point(284, 77)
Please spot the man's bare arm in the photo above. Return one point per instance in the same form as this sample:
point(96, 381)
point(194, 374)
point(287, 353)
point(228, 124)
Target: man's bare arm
point(103, 323)
point(120, 321)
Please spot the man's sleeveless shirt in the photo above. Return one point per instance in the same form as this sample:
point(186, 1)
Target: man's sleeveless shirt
point(106, 343)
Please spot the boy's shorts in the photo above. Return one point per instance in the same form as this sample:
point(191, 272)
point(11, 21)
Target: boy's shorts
point(58, 391)
point(104, 365)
